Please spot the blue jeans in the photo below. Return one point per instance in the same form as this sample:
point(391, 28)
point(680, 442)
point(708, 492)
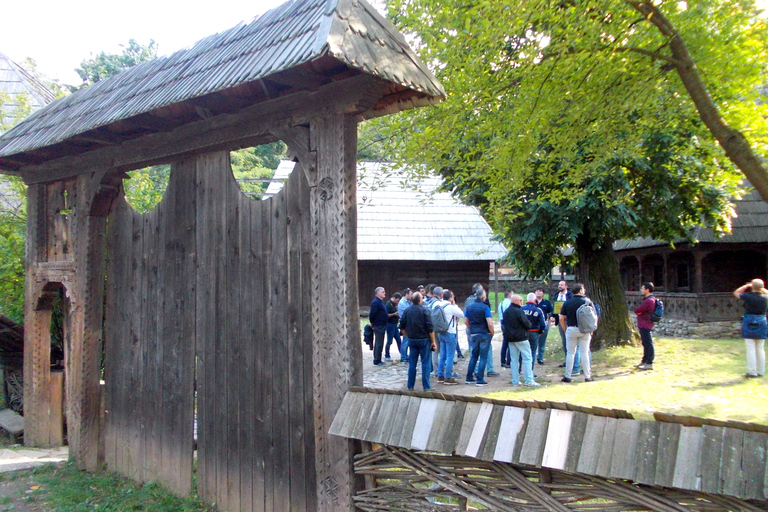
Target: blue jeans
point(542, 345)
point(404, 349)
point(448, 343)
point(392, 333)
point(521, 349)
point(576, 357)
point(646, 336)
point(488, 360)
point(419, 349)
point(506, 357)
point(478, 346)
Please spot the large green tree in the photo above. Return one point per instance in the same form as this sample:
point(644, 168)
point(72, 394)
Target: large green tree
point(105, 65)
point(552, 112)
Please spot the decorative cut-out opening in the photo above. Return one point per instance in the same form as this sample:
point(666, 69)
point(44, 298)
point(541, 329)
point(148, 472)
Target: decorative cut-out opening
point(254, 169)
point(144, 189)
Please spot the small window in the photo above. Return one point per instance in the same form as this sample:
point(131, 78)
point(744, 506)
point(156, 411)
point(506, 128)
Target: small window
point(683, 277)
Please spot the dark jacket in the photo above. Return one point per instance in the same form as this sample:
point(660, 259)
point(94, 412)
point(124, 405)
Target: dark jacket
point(516, 325)
point(535, 315)
point(417, 323)
point(378, 315)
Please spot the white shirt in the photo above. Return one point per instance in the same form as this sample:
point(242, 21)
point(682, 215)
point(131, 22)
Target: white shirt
point(452, 314)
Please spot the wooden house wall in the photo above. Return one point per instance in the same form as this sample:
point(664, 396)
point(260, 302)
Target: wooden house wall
point(395, 276)
point(213, 277)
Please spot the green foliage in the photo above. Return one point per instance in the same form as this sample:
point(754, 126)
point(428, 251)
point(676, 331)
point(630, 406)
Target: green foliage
point(13, 110)
point(145, 188)
point(254, 166)
point(13, 223)
point(565, 118)
point(105, 65)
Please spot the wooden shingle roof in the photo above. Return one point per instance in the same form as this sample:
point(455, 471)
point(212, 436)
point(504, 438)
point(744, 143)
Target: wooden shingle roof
point(16, 81)
point(410, 222)
point(721, 458)
point(300, 45)
point(750, 225)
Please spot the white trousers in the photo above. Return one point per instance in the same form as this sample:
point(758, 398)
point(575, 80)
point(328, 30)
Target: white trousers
point(576, 340)
point(755, 356)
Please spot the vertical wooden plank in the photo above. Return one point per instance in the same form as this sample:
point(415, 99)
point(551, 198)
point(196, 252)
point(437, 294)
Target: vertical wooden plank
point(591, 445)
point(669, 439)
point(151, 422)
point(711, 457)
point(535, 437)
point(606, 447)
point(509, 433)
point(409, 422)
point(244, 290)
point(401, 411)
point(687, 469)
point(479, 429)
point(450, 436)
point(439, 425)
point(337, 351)
point(258, 291)
point(467, 427)
point(624, 459)
point(387, 420)
point(647, 445)
point(731, 473)
point(754, 464)
point(488, 446)
point(424, 422)
point(578, 429)
point(558, 437)
point(57, 409)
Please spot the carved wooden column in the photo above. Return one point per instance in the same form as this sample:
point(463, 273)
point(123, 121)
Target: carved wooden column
point(698, 279)
point(337, 353)
point(84, 355)
point(665, 283)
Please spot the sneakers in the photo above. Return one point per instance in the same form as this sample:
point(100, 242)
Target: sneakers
point(576, 372)
point(388, 359)
point(540, 361)
point(480, 384)
point(639, 365)
point(565, 379)
point(380, 363)
point(590, 379)
point(469, 381)
point(533, 384)
point(645, 367)
point(456, 375)
point(561, 366)
point(450, 382)
point(460, 356)
point(750, 376)
point(441, 379)
point(492, 374)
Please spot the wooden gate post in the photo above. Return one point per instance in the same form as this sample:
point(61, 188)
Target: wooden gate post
point(336, 344)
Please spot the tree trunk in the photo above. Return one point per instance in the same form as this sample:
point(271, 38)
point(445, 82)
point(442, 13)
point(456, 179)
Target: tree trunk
point(736, 147)
point(599, 271)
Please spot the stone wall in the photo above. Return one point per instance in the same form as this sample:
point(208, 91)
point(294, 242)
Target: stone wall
point(677, 328)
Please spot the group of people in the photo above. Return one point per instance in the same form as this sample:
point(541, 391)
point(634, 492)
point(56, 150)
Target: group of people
point(424, 324)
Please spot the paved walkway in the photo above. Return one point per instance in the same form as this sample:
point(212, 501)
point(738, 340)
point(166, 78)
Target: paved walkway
point(19, 457)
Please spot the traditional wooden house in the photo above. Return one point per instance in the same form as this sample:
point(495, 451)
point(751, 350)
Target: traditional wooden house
point(214, 309)
point(695, 280)
point(409, 233)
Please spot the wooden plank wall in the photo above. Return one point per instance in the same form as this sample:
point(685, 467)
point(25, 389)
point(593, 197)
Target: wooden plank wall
point(213, 275)
point(603, 443)
point(150, 336)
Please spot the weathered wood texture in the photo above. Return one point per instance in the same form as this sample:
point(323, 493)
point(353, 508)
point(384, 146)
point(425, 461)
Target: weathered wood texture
point(337, 352)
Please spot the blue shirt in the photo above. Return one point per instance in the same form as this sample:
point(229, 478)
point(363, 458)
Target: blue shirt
point(502, 307)
point(402, 306)
point(477, 312)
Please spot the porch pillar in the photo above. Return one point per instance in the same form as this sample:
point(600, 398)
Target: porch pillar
point(698, 279)
point(665, 283)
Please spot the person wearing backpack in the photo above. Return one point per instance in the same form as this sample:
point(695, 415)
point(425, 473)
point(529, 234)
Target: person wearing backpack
point(448, 336)
point(436, 315)
point(578, 332)
point(644, 313)
point(754, 327)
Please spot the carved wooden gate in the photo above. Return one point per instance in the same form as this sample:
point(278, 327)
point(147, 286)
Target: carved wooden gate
point(213, 287)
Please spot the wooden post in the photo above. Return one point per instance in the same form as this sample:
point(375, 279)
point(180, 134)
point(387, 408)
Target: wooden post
point(336, 345)
point(698, 272)
point(496, 280)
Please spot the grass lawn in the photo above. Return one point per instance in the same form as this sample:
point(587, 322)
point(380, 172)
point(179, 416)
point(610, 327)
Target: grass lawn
point(691, 377)
point(65, 489)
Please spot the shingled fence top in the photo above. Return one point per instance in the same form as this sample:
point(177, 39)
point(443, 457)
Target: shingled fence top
point(298, 47)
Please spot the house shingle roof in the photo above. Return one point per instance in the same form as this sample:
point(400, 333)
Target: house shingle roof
point(299, 32)
point(413, 222)
point(16, 81)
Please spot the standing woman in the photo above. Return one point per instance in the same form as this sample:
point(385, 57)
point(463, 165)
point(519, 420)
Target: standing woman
point(754, 330)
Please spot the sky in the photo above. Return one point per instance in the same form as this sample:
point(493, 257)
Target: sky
point(60, 35)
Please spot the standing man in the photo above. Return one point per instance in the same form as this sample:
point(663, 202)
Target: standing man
point(378, 317)
point(404, 304)
point(477, 318)
point(515, 329)
point(505, 357)
point(437, 298)
point(536, 318)
point(561, 298)
point(575, 338)
point(546, 307)
point(392, 330)
point(754, 328)
point(645, 325)
point(417, 326)
point(448, 339)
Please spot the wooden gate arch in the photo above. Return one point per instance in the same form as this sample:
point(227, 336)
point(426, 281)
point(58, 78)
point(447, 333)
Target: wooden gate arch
point(219, 310)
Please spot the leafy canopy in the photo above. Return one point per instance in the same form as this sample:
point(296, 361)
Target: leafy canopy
point(566, 115)
point(105, 65)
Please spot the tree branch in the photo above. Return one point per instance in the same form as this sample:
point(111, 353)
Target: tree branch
point(649, 53)
point(736, 147)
